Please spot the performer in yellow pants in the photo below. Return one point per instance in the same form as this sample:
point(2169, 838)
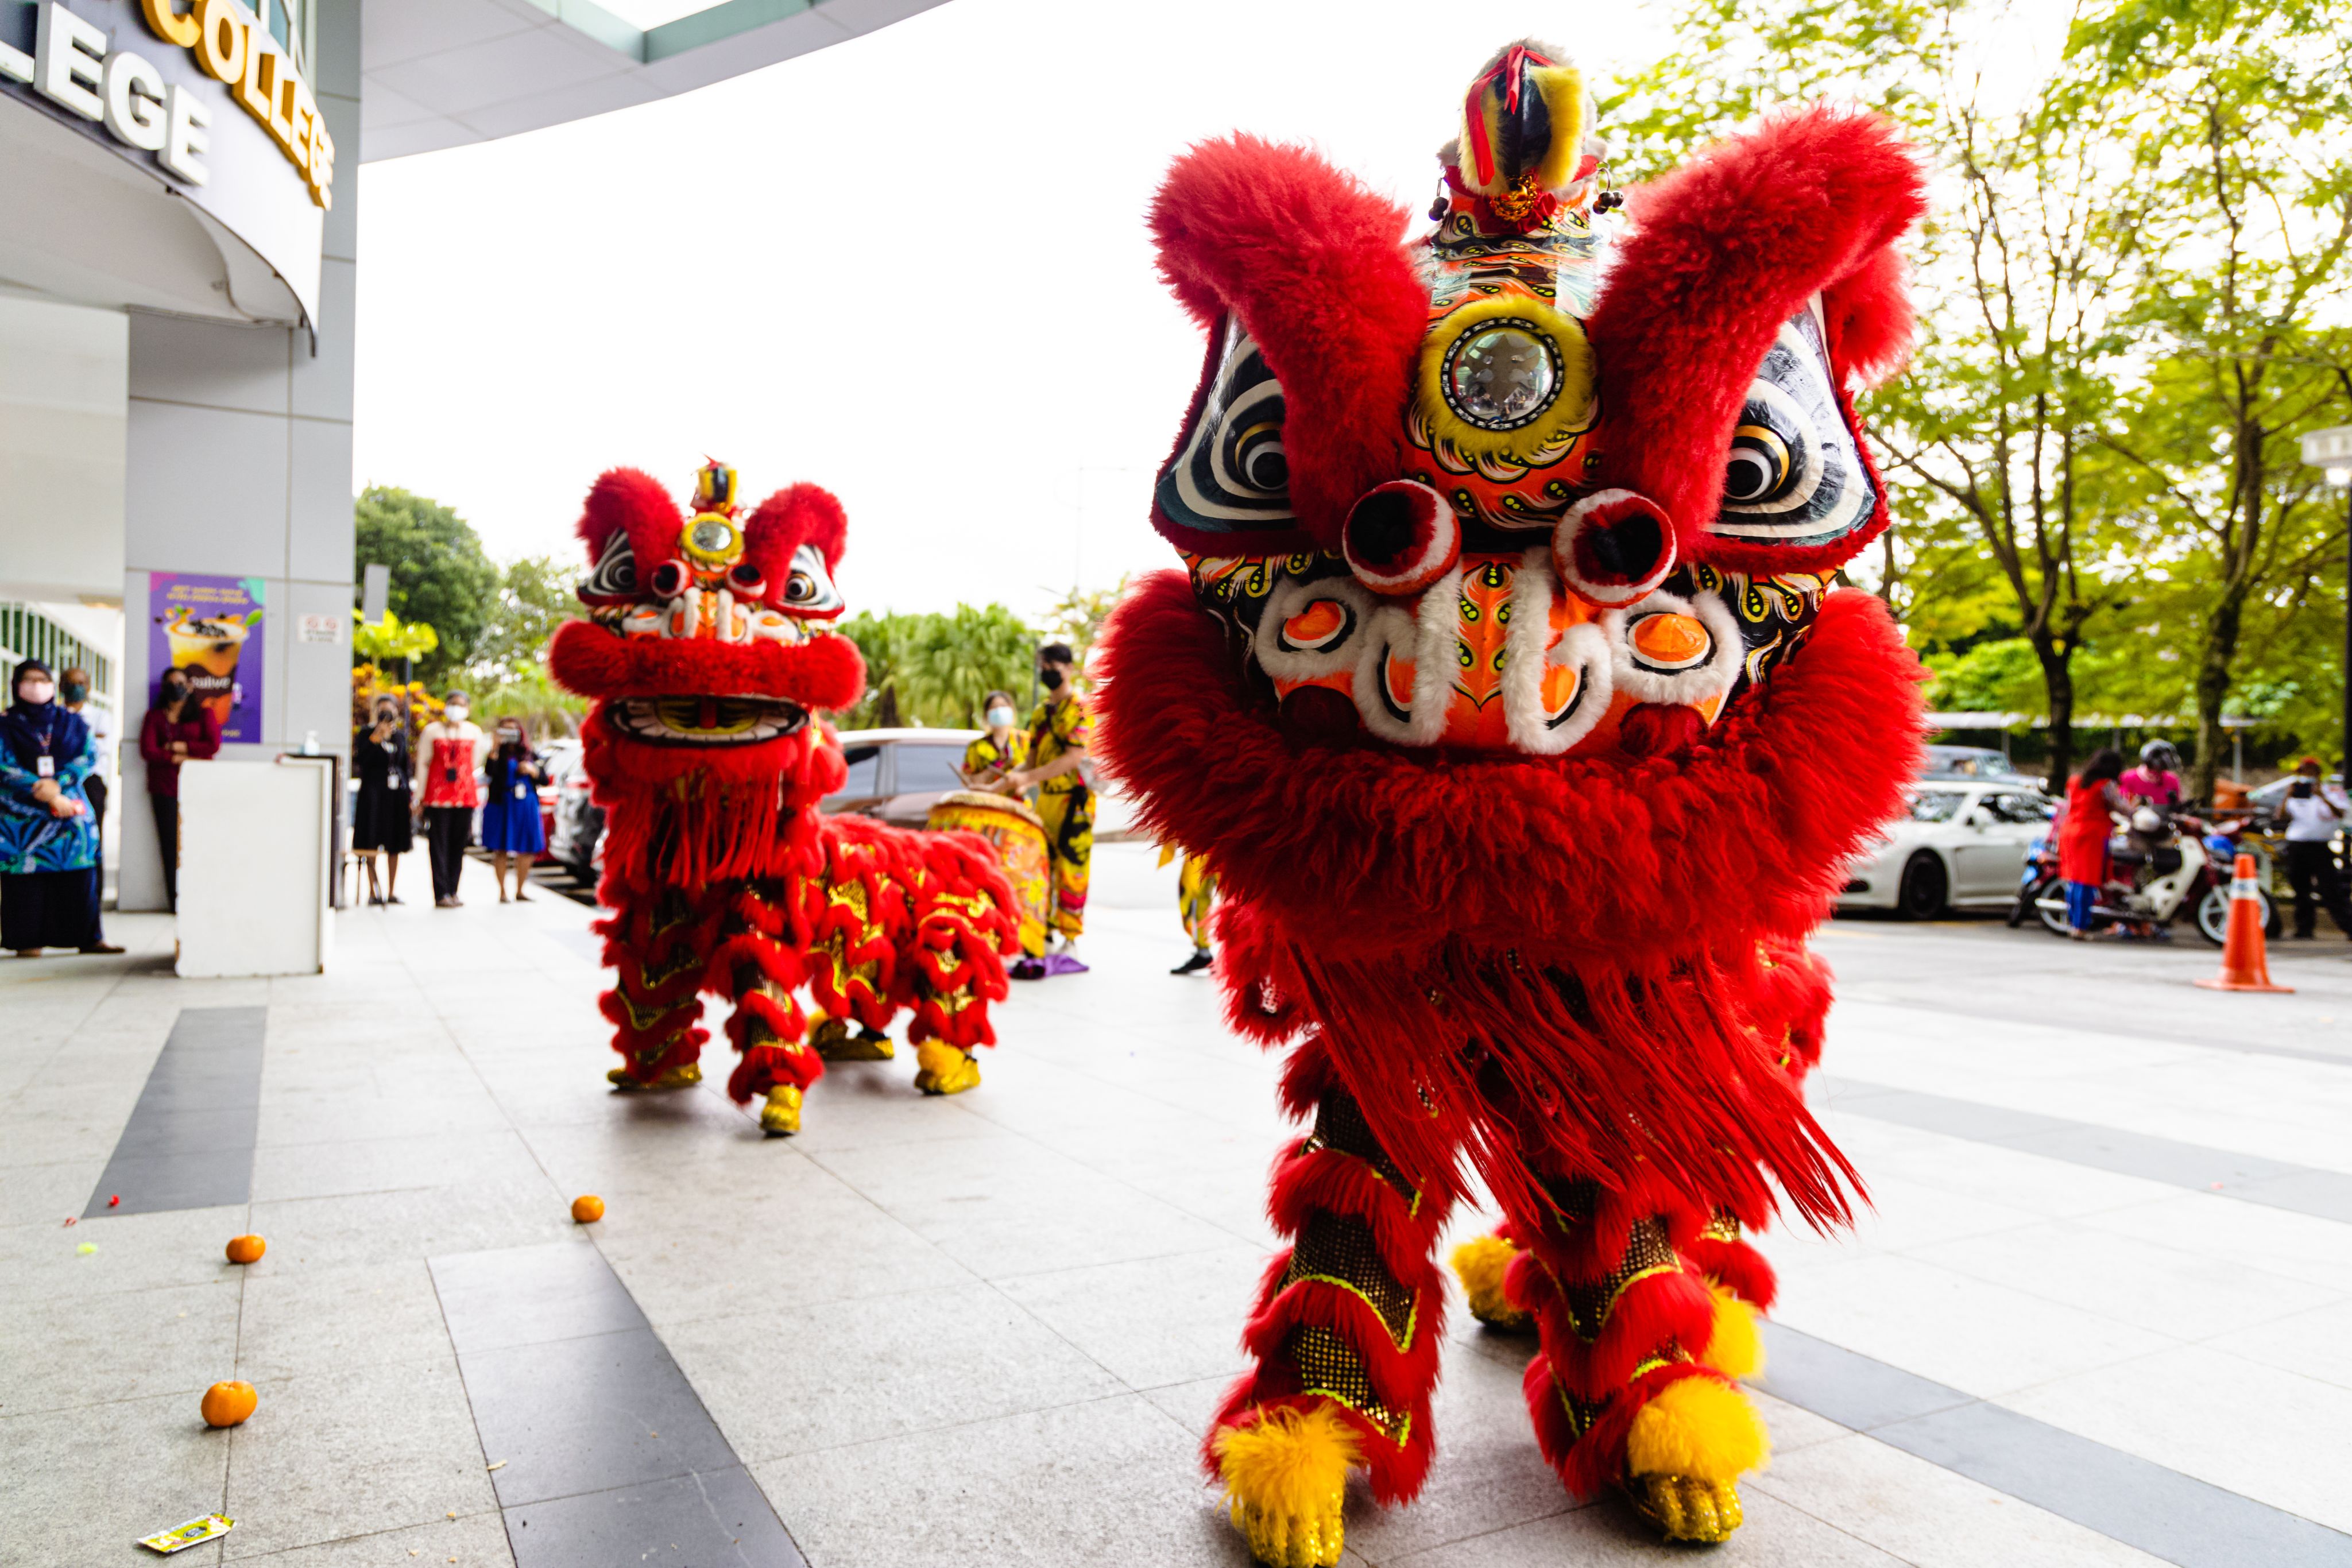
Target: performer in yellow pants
point(1058, 731)
point(1196, 900)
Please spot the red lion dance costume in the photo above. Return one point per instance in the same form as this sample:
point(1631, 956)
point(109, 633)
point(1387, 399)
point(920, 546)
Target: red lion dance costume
point(1507, 688)
point(706, 653)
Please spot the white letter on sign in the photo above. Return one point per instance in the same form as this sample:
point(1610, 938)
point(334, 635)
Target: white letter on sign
point(184, 136)
point(134, 101)
point(69, 56)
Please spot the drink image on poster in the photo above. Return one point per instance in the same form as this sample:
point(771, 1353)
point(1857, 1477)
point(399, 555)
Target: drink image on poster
point(210, 627)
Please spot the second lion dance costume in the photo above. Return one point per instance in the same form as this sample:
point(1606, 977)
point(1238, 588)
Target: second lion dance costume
point(708, 653)
point(1506, 687)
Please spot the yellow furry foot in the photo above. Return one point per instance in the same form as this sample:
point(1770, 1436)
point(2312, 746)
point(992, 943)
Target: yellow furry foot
point(1287, 1483)
point(1479, 1265)
point(942, 1068)
point(1688, 1446)
point(1736, 1349)
point(782, 1114)
point(685, 1077)
point(835, 1043)
point(1686, 1510)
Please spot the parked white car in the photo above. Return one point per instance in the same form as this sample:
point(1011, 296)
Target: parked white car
point(1962, 846)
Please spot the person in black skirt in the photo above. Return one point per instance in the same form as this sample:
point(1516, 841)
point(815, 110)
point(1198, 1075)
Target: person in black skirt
point(379, 823)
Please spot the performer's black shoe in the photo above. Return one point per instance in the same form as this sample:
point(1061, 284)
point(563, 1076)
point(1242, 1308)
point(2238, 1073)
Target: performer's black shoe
point(1201, 960)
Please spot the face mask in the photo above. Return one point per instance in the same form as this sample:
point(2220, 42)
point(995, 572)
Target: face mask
point(75, 692)
point(1000, 719)
point(456, 713)
point(35, 692)
point(1050, 679)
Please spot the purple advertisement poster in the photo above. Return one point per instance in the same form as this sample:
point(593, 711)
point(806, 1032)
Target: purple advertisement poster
point(211, 628)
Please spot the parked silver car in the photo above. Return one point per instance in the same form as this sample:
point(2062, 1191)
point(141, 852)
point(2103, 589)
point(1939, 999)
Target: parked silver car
point(1961, 845)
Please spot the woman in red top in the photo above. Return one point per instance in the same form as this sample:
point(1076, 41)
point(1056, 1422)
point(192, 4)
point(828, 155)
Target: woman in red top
point(2091, 802)
point(179, 728)
point(450, 755)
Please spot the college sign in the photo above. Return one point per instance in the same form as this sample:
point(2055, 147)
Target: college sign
point(198, 93)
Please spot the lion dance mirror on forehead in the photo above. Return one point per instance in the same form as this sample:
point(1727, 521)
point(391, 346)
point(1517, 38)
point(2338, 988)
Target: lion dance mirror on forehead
point(708, 655)
point(1506, 684)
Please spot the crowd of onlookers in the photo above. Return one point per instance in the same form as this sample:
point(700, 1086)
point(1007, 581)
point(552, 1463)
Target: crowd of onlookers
point(454, 771)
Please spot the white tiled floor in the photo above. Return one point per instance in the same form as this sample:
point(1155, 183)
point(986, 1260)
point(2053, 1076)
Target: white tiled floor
point(992, 1328)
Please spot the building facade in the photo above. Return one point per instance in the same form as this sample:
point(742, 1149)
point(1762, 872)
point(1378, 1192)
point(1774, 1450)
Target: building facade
point(179, 281)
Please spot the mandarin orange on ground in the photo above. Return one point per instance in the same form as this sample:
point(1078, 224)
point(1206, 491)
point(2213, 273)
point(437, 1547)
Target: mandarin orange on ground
point(588, 1210)
point(228, 1404)
point(246, 1248)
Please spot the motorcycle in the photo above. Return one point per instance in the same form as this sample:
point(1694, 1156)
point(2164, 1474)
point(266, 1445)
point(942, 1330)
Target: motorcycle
point(2171, 865)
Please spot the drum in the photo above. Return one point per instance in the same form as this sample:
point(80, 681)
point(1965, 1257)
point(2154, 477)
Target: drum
point(1019, 838)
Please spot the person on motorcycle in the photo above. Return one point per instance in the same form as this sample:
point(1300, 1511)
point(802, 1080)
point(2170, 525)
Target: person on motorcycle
point(2093, 803)
point(2156, 779)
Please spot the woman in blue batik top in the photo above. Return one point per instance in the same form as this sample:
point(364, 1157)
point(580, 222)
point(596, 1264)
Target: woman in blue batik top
point(49, 835)
point(511, 828)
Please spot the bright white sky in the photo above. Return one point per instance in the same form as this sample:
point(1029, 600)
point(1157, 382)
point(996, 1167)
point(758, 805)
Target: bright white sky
point(912, 267)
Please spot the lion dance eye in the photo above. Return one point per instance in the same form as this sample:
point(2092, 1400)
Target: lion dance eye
point(1259, 459)
point(808, 589)
point(1758, 465)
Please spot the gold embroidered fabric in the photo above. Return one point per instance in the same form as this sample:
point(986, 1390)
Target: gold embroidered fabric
point(1339, 1248)
point(1723, 1227)
point(1339, 1124)
point(1327, 1366)
point(1646, 1254)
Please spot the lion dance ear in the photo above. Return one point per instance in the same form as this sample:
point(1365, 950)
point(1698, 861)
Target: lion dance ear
point(1310, 265)
point(1757, 282)
point(630, 524)
point(795, 515)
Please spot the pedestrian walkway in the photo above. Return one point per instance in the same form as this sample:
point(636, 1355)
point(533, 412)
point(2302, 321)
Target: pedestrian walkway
point(2098, 1314)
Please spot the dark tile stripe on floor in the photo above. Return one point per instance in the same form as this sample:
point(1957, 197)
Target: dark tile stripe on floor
point(2142, 1504)
point(189, 1142)
point(605, 1453)
point(2326, 1195)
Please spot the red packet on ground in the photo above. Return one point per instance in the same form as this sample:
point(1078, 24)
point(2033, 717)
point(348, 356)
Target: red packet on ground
point(180, 1537)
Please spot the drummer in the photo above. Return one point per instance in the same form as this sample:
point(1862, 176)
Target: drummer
point(988, 760)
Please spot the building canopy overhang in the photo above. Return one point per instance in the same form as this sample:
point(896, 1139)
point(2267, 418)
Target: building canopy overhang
point(472, 70)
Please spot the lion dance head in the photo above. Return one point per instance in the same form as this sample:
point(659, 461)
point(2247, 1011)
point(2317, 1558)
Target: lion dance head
point(708, 653)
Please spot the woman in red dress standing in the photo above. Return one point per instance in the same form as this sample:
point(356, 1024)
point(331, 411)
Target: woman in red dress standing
point(452, 748)
point(2093, 801)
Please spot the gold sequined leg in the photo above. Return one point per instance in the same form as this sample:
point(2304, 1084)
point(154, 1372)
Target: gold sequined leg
point(1345, 1343)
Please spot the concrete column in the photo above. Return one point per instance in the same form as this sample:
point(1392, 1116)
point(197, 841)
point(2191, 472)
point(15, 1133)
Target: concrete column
point(240, 465)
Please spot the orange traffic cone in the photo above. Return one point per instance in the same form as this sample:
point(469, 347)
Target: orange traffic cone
point(2245, 961)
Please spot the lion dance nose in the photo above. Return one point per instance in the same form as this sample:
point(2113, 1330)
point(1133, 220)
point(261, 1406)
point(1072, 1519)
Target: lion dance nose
point(1400, 537)
point(1614, 546)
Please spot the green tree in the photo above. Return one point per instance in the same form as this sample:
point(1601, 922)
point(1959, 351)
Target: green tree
point(1077, 616)
point(2234, 204)
point(535, 596)
point(439, 574)
point(936, 669)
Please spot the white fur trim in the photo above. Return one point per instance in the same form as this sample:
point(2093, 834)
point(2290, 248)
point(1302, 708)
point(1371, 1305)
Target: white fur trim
point(1432, 628)
point(1526, 656)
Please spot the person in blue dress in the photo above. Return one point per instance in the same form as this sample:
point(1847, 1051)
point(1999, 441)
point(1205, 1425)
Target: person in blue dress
point(511, 828)
point(48, 835)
